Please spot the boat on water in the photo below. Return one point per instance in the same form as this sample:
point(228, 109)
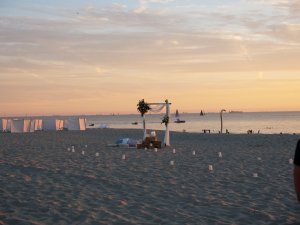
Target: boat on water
point(134, 123)
point(177, 118)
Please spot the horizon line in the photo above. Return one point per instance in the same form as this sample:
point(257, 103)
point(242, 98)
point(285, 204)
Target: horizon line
point(126, 114)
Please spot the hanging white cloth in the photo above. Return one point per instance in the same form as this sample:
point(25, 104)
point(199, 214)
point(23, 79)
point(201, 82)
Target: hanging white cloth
point(32, 125)
point(157, 107)
point(17, 126)
point(59, 124)
point(38, 125)
point(82, 123)
point(3, 124)
point(49, 123)
point(26, 125)
point(72, 123)
point(7, 125)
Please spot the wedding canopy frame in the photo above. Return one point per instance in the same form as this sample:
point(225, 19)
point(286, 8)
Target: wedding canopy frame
point(157, 107)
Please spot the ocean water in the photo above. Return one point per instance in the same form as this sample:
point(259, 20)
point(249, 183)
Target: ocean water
point(262, 122)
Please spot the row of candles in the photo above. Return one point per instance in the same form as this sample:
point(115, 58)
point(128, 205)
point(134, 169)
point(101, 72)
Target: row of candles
point(172, 162)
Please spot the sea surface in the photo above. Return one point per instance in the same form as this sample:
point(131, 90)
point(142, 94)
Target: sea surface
point(238, 122)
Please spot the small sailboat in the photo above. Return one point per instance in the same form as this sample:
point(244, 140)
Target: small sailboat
point(177, 118)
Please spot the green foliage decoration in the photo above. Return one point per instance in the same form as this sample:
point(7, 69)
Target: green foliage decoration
point(143, 107)
point(165, 120)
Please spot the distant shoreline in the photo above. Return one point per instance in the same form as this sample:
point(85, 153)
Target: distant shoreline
point(134, 114)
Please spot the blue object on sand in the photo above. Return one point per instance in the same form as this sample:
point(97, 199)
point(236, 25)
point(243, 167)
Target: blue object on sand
point(126, 142)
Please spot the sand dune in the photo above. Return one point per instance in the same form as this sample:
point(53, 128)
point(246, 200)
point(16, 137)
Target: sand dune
point(41, 182)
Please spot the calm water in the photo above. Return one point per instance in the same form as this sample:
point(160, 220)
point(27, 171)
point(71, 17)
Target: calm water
point(265, 122)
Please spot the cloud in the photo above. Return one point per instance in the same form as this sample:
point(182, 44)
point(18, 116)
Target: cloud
point(150, 40)
point(291, 7)
point(144, 4)
point(119, 5)
point(140, 9)
point(115, 49)
point(286, 32)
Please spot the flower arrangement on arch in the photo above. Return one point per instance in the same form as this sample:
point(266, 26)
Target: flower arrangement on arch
point(143, 107)
point(165, 120)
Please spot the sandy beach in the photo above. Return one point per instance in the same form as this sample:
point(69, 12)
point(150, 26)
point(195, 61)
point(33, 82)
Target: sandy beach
point(42, 182)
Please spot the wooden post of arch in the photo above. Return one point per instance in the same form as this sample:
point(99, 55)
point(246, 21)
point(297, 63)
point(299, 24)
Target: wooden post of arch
point(167, 133)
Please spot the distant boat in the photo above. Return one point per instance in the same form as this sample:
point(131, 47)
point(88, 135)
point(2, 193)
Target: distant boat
point(202, 113)
point(92, 124)
point(134, 123)
point(177, 118)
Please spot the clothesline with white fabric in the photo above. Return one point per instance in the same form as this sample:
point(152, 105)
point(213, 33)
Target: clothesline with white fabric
point(46, 124)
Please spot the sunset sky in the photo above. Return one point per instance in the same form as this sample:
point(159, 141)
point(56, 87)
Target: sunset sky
point(94, 57)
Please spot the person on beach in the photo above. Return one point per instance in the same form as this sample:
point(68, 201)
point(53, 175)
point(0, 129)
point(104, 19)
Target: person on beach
point(297, 170)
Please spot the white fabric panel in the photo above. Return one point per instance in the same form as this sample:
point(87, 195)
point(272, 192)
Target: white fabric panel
point(4, 124)
point(49, 123)
point(7, 125)
point(38, 124)
point(59, 124)
point(17, 126)
point(72, 123)
point(82, 123)
point(157, 107)
point(27, 125)
point(32, 125)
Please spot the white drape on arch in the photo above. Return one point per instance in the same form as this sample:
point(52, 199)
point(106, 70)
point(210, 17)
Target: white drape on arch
point(157, 107)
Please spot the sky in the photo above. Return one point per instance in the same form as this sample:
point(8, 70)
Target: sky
point(102, 57)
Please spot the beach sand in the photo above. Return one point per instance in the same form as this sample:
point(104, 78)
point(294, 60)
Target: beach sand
point(41, 182)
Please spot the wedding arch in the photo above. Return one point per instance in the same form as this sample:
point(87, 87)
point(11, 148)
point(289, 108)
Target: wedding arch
point(144, 107)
